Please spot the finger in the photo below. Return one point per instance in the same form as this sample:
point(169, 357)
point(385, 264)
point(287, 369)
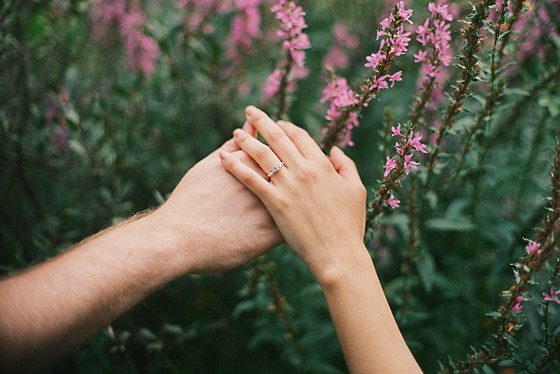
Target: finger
point(248, 161)
point(262, 154)
point(231, 145)
point(302, 140)
point(273, 134)
point(244, 174)
point(344, 165)
point(249, 129)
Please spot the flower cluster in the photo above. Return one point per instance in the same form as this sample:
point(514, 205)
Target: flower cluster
point(406, 146)
point(340, 95)
point(295, 41)
point(336, 56)
point(245, 28)
point(142, 50)
point(434, 36)
point(199, 11)
point(394, 42)
point(537, 26)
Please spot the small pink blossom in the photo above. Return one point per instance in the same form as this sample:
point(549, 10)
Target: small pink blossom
point(397, 130)
point(409, 164)
point(552, 295)
point(415, 142)
point(393, 202)
point(374, 60)
point(517, 306)
point(532, 247)
point(397, 77)
point(420, 56)
point(389, 166)
point(379, 83)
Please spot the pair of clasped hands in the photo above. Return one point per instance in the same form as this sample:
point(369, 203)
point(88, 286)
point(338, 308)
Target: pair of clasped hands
point(289, 191)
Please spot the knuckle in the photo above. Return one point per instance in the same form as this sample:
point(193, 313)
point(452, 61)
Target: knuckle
point(262, 152)
point(247, 179)
point(308, 174)
point(276, 134)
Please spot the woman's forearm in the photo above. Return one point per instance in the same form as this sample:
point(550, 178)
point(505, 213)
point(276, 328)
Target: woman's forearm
point(365, 326)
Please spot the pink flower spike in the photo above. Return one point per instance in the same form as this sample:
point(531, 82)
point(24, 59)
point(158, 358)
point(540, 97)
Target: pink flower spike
point(389, 166)
point(393, 202)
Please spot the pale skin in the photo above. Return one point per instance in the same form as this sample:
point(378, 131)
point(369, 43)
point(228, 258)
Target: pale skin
point(210, 223)
point(318, 204)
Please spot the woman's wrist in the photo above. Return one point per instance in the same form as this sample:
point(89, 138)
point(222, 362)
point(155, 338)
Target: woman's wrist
point(332, 273)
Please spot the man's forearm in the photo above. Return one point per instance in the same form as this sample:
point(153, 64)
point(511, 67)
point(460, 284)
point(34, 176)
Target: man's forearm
point(49, 309)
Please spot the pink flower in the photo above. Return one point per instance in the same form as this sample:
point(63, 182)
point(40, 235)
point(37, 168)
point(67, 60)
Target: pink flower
point(532, 247)
point(420, 56)
point(393, 202)
point(416, 144)
point(409, 164)
point(552, 295)
point(374, 60)
point(294, 43)
point(397, 77)
point(397, 130)
point(389, 166)
point(517, 305)
point(379, 83)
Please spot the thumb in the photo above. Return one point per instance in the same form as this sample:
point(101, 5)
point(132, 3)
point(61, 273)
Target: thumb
point(344, 165)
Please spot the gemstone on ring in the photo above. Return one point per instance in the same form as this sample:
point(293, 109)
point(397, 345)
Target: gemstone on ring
point(275, 169)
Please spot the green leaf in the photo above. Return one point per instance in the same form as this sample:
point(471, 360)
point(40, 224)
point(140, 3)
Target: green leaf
point(445, 224)
point(426, 268)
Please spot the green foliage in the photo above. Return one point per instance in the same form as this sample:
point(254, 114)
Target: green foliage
point(87, 142)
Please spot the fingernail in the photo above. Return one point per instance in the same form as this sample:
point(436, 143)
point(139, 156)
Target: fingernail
point(250, 110)
point(223, 155)
point(238, 132)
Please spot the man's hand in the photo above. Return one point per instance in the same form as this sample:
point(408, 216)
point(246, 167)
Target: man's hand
point(219, 223)
point(210, 223)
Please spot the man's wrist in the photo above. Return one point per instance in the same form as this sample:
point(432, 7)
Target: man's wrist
point(167, 246)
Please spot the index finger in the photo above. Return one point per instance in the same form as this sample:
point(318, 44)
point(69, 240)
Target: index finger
point(276, 138)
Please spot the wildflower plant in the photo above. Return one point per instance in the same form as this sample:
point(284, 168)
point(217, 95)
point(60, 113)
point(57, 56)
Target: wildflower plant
point(452, 118)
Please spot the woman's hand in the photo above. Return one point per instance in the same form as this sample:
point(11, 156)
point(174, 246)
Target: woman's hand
point(317, 202)
point(227, 223)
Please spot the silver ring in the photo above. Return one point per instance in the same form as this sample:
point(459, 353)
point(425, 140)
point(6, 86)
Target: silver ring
point(275, 169)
